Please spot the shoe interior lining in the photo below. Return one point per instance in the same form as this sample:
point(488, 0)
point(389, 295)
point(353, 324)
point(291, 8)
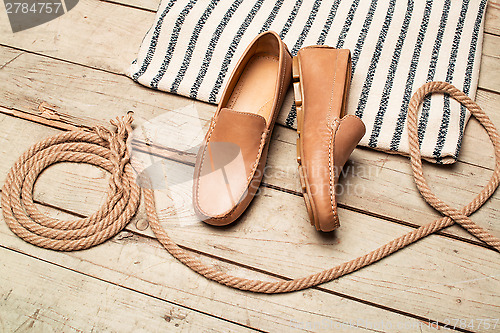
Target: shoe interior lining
point(254, 91)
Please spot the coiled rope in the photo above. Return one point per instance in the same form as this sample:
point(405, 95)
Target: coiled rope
point(108, 150)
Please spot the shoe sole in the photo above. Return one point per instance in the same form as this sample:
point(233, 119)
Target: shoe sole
point(306, 190)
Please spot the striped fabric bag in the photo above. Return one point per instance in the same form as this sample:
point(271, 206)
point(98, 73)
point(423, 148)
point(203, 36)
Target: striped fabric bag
point(396, 45)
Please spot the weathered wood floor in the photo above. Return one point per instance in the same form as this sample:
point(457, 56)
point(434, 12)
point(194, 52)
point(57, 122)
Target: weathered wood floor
point(75, 66)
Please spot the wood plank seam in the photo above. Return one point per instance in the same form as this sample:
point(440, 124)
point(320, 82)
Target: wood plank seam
point(118, 3)
point(39, 53)
point(126, 288)
point(318, 288)
point(114, 156)
point(11, 60)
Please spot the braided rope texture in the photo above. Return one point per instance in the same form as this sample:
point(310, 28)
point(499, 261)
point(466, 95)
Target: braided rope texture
point(108, 150)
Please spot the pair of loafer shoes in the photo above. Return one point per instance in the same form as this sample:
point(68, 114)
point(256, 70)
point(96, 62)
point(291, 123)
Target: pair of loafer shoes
point(231, 162)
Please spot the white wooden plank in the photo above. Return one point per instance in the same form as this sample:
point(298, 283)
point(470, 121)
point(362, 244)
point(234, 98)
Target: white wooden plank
point(476, 146)
point(140, 263)
point(96, 33)
point(41, 297)
point(121, 30)
point(491, 45)
point(439, 277)
point(84, 96)
point(492, 19)
point(490, 76)
point(31, 80)
point(69, 88)
point(276, 225)
point(284, 157)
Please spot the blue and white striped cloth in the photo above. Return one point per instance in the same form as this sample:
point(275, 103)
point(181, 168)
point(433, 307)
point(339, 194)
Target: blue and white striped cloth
point(396, 45)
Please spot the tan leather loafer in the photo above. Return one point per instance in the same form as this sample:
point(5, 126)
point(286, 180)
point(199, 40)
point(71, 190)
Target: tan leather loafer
point(327, 136)
point(230, 164)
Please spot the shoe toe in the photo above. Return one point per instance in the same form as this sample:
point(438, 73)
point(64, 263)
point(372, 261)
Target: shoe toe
point(219, 189)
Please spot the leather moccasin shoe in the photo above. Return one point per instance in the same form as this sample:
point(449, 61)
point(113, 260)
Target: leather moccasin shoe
point(327, 136)
point(230, 163)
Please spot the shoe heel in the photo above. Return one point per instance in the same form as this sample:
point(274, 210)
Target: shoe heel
point(297, 93)
point(295, 69)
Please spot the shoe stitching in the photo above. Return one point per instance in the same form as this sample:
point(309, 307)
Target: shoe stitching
point(283, 72)
point(257, 159)
point(333, 86)
point(334, 126)
point(245, 113)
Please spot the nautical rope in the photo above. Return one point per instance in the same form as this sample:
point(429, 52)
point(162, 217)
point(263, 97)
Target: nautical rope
point(108, 150)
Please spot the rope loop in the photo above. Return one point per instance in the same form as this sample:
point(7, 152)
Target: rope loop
point(101, 147)
point(459, 216)
point(108, 150)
